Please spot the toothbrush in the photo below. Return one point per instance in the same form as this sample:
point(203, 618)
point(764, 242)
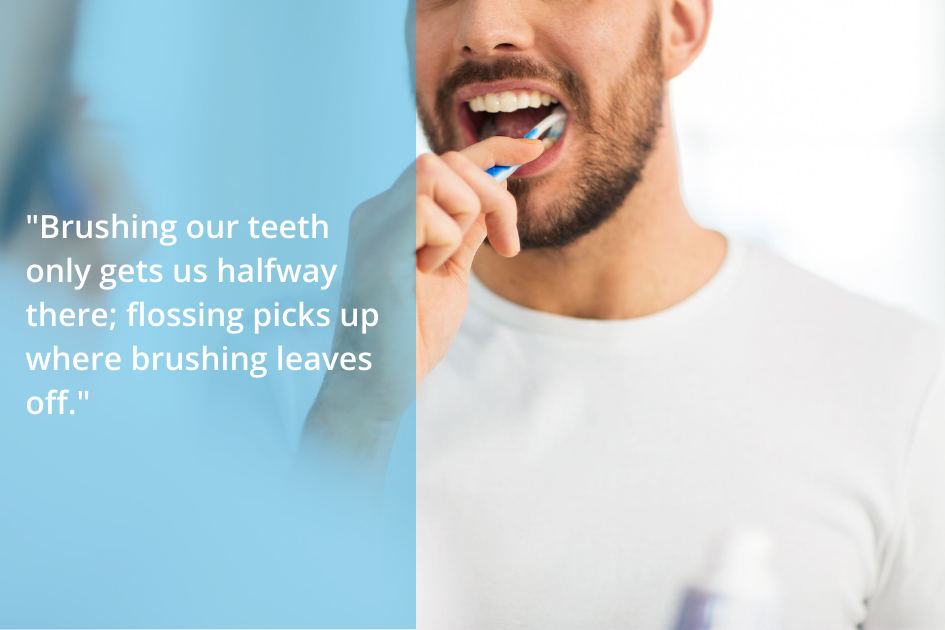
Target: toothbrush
point(553, 124)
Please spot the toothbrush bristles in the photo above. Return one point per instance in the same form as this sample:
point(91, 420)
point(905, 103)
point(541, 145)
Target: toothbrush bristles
point(554, 131)
point(557, 129)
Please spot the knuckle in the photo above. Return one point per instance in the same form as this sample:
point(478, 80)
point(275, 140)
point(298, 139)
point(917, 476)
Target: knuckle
point(472, 204)
point(432, 213)
point(475, 204)
point(454, 159)
point(423, 208)
point(427, 165)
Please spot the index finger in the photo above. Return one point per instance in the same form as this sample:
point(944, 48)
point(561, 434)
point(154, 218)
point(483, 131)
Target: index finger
point(502, 151)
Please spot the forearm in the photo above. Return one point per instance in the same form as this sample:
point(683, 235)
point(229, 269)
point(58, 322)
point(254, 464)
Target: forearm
point(348, 436)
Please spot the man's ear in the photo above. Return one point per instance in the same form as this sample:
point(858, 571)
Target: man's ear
point(685, 30)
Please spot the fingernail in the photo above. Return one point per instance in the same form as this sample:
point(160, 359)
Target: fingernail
point(532, 141)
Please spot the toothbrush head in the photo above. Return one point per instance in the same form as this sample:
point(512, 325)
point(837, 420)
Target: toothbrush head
point(557, 129)
point(554, 124)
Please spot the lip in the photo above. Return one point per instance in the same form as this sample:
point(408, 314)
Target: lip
point(463, 116)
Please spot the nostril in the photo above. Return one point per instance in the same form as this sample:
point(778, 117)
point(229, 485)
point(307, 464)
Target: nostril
point(467, 50)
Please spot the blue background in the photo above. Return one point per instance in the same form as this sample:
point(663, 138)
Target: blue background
point(166, 501)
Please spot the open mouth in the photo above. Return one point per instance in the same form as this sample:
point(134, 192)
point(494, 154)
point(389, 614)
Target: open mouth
point(485, 111)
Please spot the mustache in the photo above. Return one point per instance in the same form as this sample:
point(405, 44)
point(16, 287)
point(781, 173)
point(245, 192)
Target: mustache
point(510, 68)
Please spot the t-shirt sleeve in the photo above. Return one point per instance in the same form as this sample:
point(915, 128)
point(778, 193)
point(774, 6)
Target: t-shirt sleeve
point(912, 596)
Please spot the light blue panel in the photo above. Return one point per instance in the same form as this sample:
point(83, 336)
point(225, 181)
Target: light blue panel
point(167, 500)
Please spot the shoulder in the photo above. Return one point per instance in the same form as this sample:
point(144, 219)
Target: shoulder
point(843, 329)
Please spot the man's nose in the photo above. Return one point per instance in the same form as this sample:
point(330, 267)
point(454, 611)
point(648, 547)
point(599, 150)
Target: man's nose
point(491, 28)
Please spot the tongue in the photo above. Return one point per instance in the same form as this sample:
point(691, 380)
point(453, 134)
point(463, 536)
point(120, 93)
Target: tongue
point(516, 124)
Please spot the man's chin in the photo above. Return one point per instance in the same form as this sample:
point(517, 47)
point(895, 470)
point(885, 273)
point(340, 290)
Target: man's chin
point(539, 210)
point(541, 193)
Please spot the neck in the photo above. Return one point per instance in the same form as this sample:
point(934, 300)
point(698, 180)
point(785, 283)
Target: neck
point(649, 256)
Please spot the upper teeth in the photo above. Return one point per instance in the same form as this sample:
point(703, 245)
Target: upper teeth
point(510, 101)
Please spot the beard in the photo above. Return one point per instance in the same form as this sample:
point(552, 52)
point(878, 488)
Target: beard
point(618, 139)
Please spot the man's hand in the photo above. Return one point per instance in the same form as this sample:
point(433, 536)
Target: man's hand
point(458, 204)
point(454, 205)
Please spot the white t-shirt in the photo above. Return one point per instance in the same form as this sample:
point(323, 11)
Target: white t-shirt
point(572, 473)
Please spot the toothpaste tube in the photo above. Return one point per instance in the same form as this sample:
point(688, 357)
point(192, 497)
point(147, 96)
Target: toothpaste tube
point(738, 590)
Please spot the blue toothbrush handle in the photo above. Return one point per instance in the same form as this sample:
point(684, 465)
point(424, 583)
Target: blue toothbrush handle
point(501, 173)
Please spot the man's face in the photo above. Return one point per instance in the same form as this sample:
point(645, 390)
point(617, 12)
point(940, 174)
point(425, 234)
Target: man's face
point(599, 58)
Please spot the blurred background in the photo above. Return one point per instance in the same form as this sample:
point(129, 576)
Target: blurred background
point(817, 129)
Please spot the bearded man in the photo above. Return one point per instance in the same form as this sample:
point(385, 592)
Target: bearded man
point(603, 384)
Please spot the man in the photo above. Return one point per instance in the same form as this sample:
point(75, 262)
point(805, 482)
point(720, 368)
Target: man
point(625, 384)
